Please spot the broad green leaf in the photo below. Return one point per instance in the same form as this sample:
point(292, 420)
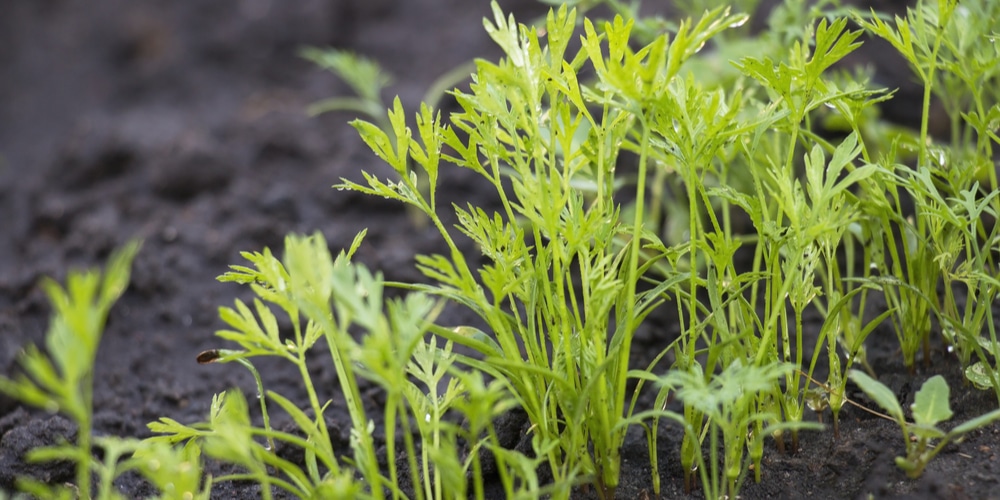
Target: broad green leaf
point(930, 405)
point(925, 431)
point(471, 337)
point(980, 421)
point(980, 375)
point(878, 392)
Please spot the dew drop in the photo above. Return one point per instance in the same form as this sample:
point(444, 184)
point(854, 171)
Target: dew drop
point(739, 22)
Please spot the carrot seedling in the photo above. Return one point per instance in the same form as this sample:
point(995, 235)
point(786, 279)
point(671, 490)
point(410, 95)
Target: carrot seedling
point(61, 378)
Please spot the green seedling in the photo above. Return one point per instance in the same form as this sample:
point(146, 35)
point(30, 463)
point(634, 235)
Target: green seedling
point(530, 119)
point(631, 171)
point(365, 77)
point(368, 80)
point(923, 438)
point(565, 264)
point(801, 225)
point(952, 50)
point(727, 400)
point(850, 341)
point(175, 471)
point(61, 378)
point(326, 298)
point(61, 381)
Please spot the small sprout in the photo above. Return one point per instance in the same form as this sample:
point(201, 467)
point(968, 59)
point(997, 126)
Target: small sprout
point(930, 408)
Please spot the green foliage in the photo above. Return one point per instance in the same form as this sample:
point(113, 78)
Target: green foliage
point(175, 471)
point(328, 298)
point(953, 185)
point(727, 401)
point(364, 76)
point(721, 126)
point(930, 407)
point(562, 281)
point(60, 379)
point(740, 143)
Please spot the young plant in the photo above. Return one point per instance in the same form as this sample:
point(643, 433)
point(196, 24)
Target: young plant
point(930, 407)
point(919, 38)
point(801, 225)
point(560, 293)
point(949, 242)
point(728, 401)
point(174, 471)
point(326, 298)
point(60, 379)
point(843, 330)
point(811, 200)
point(366, 78)
point(985, 372)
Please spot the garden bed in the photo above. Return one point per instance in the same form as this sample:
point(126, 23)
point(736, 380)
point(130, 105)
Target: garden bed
point(185, 126)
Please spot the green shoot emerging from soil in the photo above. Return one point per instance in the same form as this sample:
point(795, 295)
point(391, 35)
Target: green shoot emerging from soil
point(930, 407)
point(325, 299)
point(561, 290)
point(560, 293)
point(636, 163)
point(60, 380)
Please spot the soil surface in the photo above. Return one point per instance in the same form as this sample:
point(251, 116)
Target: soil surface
point(183, 123)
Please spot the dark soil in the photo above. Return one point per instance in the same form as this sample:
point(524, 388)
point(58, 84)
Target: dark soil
point(182, 123)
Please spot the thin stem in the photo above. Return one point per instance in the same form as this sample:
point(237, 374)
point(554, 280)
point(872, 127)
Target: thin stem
point(84, 437)
point(263, 399)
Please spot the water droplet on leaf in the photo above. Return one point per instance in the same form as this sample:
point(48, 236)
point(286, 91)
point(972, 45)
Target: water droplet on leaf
point(739, 22)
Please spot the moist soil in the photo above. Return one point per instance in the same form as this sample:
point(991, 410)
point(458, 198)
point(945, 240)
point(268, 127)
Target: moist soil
point(183, 124)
